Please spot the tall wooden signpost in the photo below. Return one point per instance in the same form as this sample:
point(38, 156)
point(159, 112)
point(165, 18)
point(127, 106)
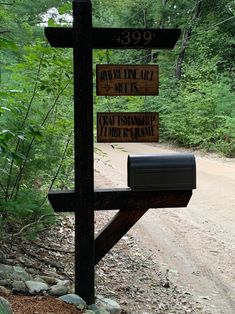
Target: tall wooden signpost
point(83, 149)
point(83, 200)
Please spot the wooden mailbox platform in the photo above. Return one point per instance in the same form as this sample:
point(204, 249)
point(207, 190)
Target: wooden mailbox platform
point(132, 206)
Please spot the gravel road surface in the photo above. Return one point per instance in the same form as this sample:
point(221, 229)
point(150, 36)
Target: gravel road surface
point(195, 245)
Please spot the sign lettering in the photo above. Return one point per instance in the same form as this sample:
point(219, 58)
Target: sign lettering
point(136, 37)
point(127, 127)
point(127, 80)
point(118, 38)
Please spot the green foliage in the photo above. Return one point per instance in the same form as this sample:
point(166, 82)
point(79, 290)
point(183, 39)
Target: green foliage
point(196, 109)
point(27, 207)
point(36, 121)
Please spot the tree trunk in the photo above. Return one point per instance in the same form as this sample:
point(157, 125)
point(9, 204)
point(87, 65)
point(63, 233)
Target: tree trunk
point(186, 38)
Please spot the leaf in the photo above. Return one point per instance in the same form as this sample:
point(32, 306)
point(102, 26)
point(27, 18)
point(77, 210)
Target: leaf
point(21, 137)
point(51, 23)
point(6, 43)
point(35, 132)
point(3, 171)
point(64, 9)
point(17, 156)
point(7, 131)
point(6, 135)
point(2, 109)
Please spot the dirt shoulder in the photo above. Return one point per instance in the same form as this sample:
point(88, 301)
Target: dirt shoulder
point(195, 244)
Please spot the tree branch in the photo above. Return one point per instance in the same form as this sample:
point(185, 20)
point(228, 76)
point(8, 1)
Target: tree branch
point(53, 249)
point(29, 225)
point(18, 178)
point(2, 3)
point(22, 125)
point(62, 159)
point(186, 38)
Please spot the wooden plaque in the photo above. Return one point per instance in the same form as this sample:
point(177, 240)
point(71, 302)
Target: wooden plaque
point(127, 127)
point(127, 80)
point(117, 38)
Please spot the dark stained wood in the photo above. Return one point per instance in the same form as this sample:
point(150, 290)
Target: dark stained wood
point(83, 200)
point(127, 80)
point(59, 37)
point(115, 230)
point(83, 148)
point(127, 127)
point(123, 199)
point(117, 38)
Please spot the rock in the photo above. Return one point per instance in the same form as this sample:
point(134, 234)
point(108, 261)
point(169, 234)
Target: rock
point(95, 309)
point(109, 305)
point(51, 274)
point(58, 290)
point(3, 275)
point(39, 279)
point(36, 286)
point(5, 307)
point(31, 271)
point(13, 273)
point(4, 291)
point(63, 282)
point(75, 300)
point(2, 257)
point(26, 261)
point(6, 283)
point(89, 312)
point(6, 268)
point(5, 271)
point(49, 280)
point(19, 287)
point(102, 311)
point(20, 274)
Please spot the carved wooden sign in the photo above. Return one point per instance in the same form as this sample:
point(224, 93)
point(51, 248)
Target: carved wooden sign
point(127, 80)
point(127, 127)
point(117, 38)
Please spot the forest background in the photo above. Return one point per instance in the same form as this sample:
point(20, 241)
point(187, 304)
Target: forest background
point(196, 102)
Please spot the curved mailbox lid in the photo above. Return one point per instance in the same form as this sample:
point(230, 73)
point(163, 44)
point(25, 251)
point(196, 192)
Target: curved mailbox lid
point(173, 171)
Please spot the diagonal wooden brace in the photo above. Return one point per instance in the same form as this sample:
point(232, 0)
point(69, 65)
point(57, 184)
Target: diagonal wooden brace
point(132, 206)
point(116, 228)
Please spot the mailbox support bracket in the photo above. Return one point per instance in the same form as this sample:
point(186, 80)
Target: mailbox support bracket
point(132, 206)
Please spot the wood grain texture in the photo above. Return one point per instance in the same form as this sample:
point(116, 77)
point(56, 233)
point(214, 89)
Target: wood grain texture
point(127, 80)
point(113, 127)
point(124, 199)
point(115, 230)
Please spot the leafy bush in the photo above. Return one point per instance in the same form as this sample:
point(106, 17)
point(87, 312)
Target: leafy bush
point(35, 134)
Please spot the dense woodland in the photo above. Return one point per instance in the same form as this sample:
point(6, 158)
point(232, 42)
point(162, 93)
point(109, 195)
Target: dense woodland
point(196, 102)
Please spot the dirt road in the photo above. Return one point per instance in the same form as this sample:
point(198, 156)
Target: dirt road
point(196, 244)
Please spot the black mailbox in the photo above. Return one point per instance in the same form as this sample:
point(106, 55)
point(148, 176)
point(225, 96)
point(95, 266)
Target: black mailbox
point(161, 172)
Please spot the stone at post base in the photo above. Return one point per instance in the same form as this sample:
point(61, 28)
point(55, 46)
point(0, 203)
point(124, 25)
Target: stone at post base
point(97, 310)
point(74, 299)
point(36, 287)
point(109, 305)
point(58, 290)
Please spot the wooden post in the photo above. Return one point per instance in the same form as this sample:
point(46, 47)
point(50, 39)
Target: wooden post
point(83, 140)
point(84, 200)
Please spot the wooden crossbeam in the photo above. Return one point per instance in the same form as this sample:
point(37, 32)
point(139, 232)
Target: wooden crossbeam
point(124, 199)
point(116, 38)
point(132, 205)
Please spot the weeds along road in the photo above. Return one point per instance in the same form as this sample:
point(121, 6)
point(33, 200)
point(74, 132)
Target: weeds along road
point(196, 244)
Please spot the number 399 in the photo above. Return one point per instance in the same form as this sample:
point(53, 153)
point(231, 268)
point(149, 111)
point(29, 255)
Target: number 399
point(135, 37)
